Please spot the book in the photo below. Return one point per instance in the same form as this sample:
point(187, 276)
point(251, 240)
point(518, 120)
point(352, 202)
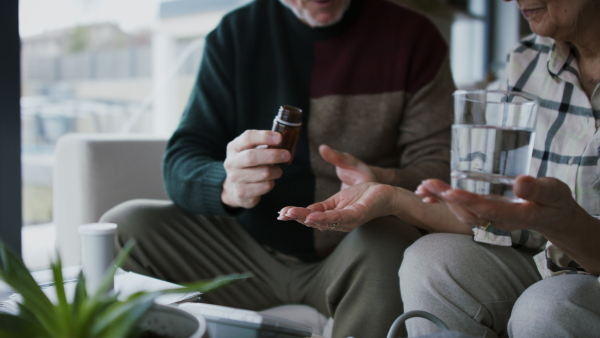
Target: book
point(223, 321)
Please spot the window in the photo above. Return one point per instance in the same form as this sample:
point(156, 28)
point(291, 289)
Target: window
point(127, 66)
point(103, 66)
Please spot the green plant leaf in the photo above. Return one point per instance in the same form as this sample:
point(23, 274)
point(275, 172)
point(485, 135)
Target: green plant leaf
point(209, 285)
point(90, 309)
point(62, 306)
point(13, 326)
point(18, 277)
point(98, 315)
point(120, 318)
point(78, 299)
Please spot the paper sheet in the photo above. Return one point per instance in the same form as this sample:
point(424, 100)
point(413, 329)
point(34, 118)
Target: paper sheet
point(126, 284)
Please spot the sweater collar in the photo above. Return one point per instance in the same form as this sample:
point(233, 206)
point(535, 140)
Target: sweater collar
point(322, 33)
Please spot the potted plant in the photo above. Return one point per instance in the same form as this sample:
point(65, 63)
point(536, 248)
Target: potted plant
point(101, 314)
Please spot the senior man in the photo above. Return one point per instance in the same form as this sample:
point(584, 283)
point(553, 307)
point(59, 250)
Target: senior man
point(373, 80)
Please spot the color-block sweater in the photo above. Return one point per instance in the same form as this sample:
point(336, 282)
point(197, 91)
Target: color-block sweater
point(376, 85)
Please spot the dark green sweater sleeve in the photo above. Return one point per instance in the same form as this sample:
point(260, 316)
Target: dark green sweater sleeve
point(193, 163)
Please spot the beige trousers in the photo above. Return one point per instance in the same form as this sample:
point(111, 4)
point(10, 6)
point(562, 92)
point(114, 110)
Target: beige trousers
point(357, 284)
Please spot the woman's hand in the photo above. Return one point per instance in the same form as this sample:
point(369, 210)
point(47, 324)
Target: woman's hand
point(345, 210)
point(548, 208)
point(548, 204)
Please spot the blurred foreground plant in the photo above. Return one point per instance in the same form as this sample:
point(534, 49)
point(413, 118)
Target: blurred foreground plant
point(98, 315)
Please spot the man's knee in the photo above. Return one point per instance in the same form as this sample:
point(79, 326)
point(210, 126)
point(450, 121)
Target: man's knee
point(374, 252)
point(385, 236)
point(135, 218)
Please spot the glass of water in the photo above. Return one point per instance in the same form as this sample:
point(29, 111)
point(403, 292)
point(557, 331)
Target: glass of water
point(492, 140)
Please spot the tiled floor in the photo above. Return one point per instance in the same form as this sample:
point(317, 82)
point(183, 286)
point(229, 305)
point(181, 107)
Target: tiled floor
point(38, 245)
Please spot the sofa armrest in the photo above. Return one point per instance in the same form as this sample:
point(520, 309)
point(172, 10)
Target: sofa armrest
point(95, 172)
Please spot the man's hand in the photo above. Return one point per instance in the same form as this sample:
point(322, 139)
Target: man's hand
point(251, 172)
point(349, 169)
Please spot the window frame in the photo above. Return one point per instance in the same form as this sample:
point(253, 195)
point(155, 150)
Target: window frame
point(10, 127)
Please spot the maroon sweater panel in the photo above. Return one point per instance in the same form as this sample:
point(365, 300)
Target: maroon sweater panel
point(388, 48)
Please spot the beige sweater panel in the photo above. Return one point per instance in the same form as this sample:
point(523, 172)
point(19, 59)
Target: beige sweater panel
point(409, 133)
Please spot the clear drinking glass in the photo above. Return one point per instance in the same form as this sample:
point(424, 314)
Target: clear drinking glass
point(492, 140)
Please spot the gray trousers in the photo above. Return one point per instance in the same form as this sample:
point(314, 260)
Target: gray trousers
point(357, 284)
point(492, 291)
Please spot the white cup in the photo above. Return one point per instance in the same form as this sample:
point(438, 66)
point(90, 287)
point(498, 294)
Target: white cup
point(97, 253)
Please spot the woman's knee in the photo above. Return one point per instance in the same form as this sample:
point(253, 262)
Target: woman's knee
point(434, 254)
point(566, 305)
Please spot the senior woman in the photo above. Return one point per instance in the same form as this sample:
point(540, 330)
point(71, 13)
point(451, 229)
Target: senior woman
point(490, 290)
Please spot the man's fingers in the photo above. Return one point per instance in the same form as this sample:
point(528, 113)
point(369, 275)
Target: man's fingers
point(256, 157)
point(255, 174)
point(253, 138)
point(248, 195)
point(257, 189)
point(242, 152)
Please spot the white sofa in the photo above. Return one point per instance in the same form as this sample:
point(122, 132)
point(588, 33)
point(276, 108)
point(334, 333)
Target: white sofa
point(94, 172)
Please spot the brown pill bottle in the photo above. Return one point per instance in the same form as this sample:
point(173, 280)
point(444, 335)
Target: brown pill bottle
point(288, 123)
